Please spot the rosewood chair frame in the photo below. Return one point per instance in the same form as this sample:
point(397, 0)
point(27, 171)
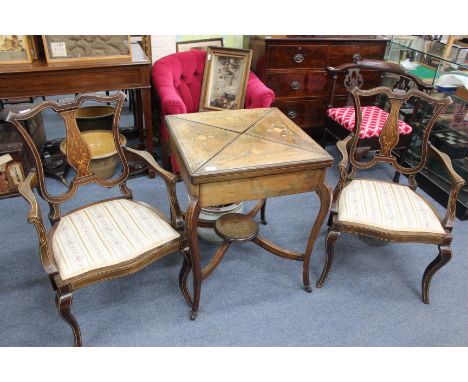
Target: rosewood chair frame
point(388, 140)
point(78, 156)
point(354, 78)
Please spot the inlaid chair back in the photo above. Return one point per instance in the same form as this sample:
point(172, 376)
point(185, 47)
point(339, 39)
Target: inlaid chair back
point(389, 135)
point(354, 75)
point(78, 153)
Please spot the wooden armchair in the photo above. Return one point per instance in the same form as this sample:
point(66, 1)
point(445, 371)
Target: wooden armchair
point(366, 74)
point(103, 240)
point(386, 210)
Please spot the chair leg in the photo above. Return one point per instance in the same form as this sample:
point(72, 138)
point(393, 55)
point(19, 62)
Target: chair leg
point(263, 213)
point(401, 161)
point(444, 256)
point(63, 302)
point(324, 138)
point(183, 275)
point(332, 237)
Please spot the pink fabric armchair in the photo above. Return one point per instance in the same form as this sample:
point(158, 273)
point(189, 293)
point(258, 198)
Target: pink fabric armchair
point(178, 80)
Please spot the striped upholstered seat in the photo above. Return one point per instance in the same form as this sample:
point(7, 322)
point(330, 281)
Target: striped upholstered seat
point(107, 234)
point(387, 206)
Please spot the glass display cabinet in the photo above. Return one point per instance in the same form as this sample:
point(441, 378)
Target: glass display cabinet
point(448, 73)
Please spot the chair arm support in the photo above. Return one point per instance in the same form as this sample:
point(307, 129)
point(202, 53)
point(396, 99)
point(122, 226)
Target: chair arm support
point(342, 146)
point(457, 183)
point(257, 94)
point(169, 178)
point(35, 217)
point(171, 103)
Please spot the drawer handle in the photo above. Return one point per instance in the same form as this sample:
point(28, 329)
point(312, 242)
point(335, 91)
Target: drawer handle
point(295, 85)
point(298, 58)
point(357, 57)
point(292, 114)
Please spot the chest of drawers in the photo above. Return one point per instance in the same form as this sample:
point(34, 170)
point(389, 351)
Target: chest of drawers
point(295, 69)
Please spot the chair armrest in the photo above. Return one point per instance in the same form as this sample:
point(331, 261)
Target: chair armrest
point(171, 103)
point(457, 183)
point(169, 178)
point(257, 94)
point(342, 146)
point(35, 217)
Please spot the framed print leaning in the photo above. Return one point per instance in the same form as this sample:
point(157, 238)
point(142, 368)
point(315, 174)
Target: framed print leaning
point(225, 79)
point(14, 49)
point(185, 46)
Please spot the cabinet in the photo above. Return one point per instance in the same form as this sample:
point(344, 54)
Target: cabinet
point(295, 69)
point(426, 59)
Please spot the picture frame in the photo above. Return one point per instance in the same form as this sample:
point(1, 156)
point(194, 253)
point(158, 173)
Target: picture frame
point(14, 49)
point(74, 48)
point(225, 79)
point(185, 46)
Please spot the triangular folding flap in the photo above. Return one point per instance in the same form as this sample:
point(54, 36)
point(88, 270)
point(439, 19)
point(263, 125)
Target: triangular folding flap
point(249, 151)
point(199, 142)
point(231, 119)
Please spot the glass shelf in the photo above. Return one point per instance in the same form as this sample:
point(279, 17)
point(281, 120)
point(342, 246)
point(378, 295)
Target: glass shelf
point(425, 59)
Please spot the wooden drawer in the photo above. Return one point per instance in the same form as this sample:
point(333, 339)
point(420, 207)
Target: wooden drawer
point(298, 84)
point(342, 54)
point(297, 56)
point(304, 113)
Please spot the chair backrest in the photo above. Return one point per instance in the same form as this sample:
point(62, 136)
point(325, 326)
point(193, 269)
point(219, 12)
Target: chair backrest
point(389, 135)
point(184, 72)
point(353, 77)
point(78, 153)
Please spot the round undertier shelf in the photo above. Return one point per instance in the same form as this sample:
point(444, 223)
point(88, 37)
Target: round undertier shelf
point(235, 227)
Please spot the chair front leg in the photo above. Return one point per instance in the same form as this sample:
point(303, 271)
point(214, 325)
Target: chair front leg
point(445, 254)
point(63, 300)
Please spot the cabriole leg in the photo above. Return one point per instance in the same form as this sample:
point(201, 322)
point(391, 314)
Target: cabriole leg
point(445, 254)
point(63, 302)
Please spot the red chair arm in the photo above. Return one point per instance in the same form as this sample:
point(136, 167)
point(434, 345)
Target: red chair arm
point(257, 94)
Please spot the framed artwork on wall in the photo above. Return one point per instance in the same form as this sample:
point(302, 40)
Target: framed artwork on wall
point(225, 79)
point(185, 46)
point(14, 49)
point(69, 48)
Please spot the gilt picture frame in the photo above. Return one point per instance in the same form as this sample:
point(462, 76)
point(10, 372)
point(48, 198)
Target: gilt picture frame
point(225, 79)
point(14, 49)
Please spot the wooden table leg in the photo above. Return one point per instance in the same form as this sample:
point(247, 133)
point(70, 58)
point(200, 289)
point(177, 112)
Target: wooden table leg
point(191, 219)
point(324, 193)
point(146, 99)
point(139, 118)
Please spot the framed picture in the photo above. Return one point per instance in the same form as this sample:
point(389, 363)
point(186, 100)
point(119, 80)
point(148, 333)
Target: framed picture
point(225, 79)
point(185, 46)
point(14, 49)
point(69, 48)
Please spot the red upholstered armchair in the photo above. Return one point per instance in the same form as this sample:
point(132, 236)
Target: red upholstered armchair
point(178, 80)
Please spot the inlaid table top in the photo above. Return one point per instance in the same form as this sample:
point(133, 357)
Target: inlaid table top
point(233, 144)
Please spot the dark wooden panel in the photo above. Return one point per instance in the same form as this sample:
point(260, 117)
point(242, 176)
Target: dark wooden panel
point(297, 56)
point(371, 80)
point(304, 112)
point(72, 81)
point(341, 54)
point(298, 84)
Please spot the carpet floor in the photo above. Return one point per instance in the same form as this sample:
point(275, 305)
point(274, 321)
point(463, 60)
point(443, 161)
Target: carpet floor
point(372, 296)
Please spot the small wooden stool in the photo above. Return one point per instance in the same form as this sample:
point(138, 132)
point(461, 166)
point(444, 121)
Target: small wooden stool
point(236, 228)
